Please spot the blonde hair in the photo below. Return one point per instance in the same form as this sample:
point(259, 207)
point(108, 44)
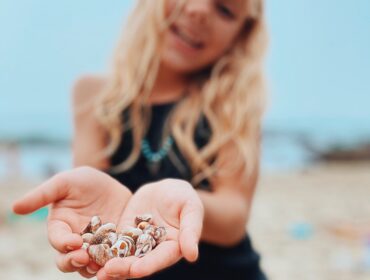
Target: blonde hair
point(231, 97)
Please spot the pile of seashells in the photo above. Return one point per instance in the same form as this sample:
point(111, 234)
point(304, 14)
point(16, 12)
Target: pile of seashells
point(103, 241)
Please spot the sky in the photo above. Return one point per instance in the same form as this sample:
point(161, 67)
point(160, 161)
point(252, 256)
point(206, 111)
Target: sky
point(318, 63)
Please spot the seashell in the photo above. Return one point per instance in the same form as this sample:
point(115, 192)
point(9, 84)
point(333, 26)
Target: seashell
point(133, 232)
point(102, 233)
point(150, 229)
point(145, 243)
point(104, 229)
point(100, 253)
point(143, 225)
point(110, 238)
point(87, 237)
point(141, 251)
point(131, 243)
point(92, 226)
point(160, 234)
point(123, 247)
point(85, 246)
point(95, 223)
point(103, 242)
point(143, 218)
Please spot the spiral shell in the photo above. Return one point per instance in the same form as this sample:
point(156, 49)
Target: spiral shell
point(132, 244)
point(150, 229)
point(92, 226)
point(87, 237)
point(143, 218)
point(145, 243)
point(103, 242)
point(124, 247)
point(159, 234)
point(95, 223)
point(110, 238)
point(133, 232)
point(100, 253)
point(102, 233)
point(143, 225)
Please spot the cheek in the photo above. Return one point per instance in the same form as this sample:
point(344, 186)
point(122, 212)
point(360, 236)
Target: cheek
point(169, 7)
point(222, 38)
point(218, 46)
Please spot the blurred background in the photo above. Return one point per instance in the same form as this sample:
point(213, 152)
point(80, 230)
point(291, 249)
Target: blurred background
point(311, 215)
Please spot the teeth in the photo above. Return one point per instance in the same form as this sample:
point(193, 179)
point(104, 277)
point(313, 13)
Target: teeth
point(190, 41)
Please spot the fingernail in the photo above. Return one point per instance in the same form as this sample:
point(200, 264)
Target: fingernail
point(113, 275)
point(90, 270)
point(77, 264)
point(70, 248)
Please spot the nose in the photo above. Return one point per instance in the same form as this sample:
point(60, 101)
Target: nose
point(198, 10)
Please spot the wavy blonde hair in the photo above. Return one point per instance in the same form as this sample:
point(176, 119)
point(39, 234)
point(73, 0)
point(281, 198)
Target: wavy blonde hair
point(231, 96)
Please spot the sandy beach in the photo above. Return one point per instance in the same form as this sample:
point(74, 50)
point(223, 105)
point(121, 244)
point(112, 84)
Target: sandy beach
point(307, 224)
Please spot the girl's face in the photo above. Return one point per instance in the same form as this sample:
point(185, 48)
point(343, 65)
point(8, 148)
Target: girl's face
point(201, 34)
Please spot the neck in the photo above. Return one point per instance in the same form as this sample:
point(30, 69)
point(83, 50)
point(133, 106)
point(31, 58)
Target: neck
point(169, 86)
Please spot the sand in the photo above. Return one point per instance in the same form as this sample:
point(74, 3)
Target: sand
point(307, 224)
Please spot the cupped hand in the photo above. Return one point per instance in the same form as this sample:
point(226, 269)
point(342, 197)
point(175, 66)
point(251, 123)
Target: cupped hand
point(75, 196)
point(175, 205)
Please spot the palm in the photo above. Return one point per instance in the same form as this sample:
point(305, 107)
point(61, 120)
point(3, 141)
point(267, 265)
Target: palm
point(75, 197)
point(175, 205)
point(91, 194)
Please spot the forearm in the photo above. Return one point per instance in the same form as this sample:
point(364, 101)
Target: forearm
point(225, 217)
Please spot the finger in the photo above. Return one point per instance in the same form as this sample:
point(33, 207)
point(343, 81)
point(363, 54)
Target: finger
point(93, 268)
point(50, 191)
point(90, 270)
point(84, 273)
point(116, 268)
point(165, 254)
point(72, 261)
point(191, 223)
point(61, 236)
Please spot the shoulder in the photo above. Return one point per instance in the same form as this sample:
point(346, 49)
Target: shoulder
point(86, 88)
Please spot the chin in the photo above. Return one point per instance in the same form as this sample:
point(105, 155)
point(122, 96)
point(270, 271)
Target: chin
point(180, 65)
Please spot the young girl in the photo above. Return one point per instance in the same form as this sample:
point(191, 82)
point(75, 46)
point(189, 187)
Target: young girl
point(184, 101)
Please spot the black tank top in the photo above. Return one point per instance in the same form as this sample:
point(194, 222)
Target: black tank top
point(214, 262)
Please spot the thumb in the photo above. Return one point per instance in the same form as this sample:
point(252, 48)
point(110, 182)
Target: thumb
point(191, 223)
point(50, 191)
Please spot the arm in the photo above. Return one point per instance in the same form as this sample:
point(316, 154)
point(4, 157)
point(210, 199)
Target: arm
point(227, 207)
point(89, 138)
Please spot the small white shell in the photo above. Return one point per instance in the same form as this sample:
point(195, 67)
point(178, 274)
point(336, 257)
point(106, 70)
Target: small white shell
point(143, 218)
point(160, 234)
point(122, 248)
point(150, 229)
point(102, 234)
point(104, 229)
point(87, 237)
point(92, 226)
point(143, 225)
point(100, 253)
point(141, 251)
point(95, 223)
point(144, 244)
point(133, 232)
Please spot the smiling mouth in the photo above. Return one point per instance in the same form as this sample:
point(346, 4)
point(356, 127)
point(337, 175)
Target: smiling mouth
point(192, 42)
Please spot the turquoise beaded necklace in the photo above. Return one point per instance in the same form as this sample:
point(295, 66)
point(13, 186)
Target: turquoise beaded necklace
point(154, 158)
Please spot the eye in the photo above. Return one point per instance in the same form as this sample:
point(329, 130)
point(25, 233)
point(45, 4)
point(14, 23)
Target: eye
point(225, 11)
